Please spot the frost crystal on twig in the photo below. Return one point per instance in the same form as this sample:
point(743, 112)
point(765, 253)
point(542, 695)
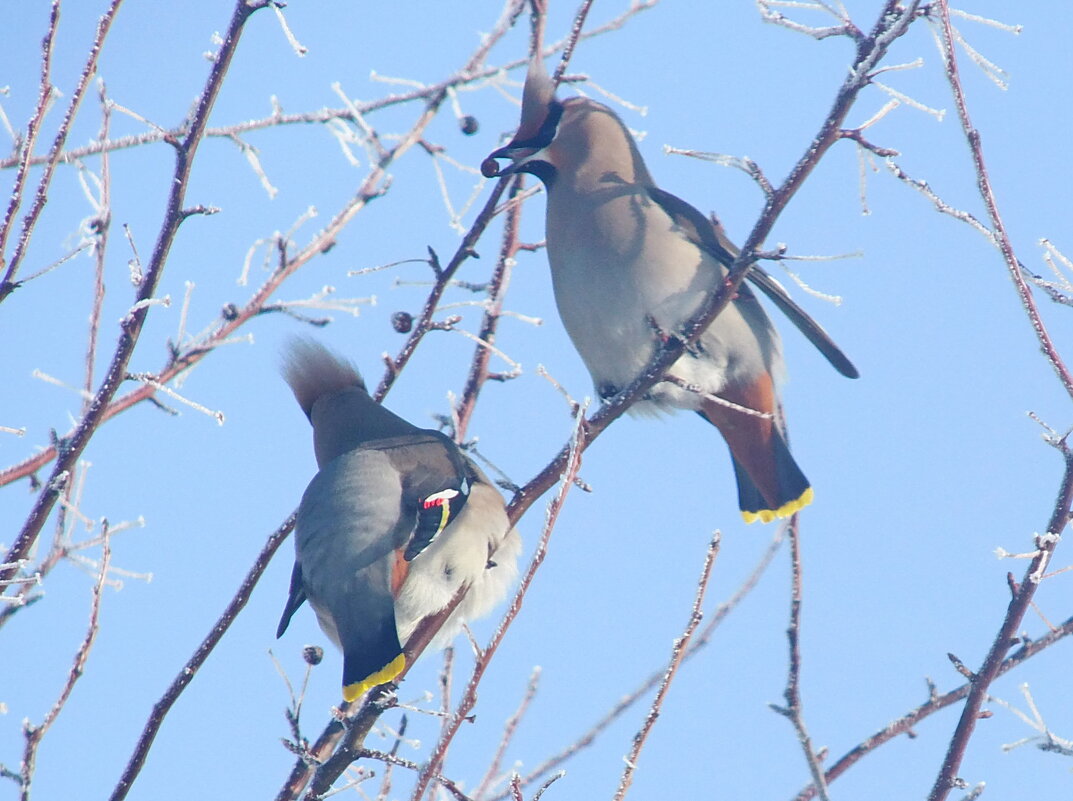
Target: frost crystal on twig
point(151, 380)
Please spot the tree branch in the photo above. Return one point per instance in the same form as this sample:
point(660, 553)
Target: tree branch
point(793, 709)
point(678, 652)
point(189, 670)
point(936, 702)
point(131, 326)
point(987, 194)
point(1007, 635)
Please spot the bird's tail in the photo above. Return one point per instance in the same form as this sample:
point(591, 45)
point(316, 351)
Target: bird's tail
point(312, 370)
point(790, 494)
point(770, 484)
point(372, 653)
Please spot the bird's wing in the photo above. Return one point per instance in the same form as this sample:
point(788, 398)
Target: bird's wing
point(295, 598)
point(703, 233)
point(437, 479)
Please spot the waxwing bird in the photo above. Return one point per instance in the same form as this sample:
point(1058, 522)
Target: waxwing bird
point(397, 520)
point(629, 261)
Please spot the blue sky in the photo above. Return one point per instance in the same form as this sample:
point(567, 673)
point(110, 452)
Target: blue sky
point(922, 467)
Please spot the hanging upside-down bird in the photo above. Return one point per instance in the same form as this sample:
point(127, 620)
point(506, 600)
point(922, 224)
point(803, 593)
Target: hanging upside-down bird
point(397, 521)
point(630, 261)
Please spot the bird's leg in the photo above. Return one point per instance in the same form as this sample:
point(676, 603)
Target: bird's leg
point(673, 341)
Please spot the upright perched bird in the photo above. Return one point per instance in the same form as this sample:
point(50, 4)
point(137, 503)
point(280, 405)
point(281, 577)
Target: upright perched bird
point(629, 260)
point(397, 520)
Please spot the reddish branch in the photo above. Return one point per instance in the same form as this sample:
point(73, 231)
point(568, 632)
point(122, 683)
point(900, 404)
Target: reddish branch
point(947, 777)
point(100, 225)
point(1007, 635)
point(34, 734)
point(793, 709)
point(497, 290)
point(190, 669)
point(28, 143)
point(469, 695)
point(425, 321)
point(70, 448)
point(9, 284)
point(699, 641)
point(983, 183)
point(509, 730)
point(678, 653)
point(469, 241)
point(906, 723)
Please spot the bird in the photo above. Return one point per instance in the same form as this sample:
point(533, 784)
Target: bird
point(397, 520)
point(631, 263)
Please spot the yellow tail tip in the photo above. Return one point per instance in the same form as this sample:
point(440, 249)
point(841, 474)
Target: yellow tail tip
point(352, 692)
point(787, 509)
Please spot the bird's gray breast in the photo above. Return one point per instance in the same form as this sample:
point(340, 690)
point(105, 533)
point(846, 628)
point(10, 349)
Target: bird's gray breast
point(622, 272)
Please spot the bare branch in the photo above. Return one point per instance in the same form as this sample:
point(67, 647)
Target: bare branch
point(497, 289)
point(987, 194)
point(508, 734)
point(1006, 637)
point(677, 654)
point(131, 326)
point(189, 670)
point(102, 222)
point(104, 24)
point(935, 702)
point(469, 695)
point(34, 734)
point(793, 709)
point(699, 642)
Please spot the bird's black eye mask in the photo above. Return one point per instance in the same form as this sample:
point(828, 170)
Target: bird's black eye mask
point(538, 141)
point(542, 138)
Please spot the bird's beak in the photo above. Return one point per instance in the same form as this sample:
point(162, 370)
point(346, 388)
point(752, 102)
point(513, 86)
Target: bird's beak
point(518, 154)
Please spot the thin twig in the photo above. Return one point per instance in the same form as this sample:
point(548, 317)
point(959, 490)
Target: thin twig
point(572, 39)
point(469, 695)
point(1006, 636)
point(392, 759)
point(497, 290)
point(385, 784)
point(131, 326)
point(509, 730)
point(677, 654)
point(189, 670)
point(906, 723)
point(23, 159)
point(34, 734)
point(793, 709)
point(987, 194)
point(444, 275)
point(700, 641)
point(100, 225)
point(104, 24)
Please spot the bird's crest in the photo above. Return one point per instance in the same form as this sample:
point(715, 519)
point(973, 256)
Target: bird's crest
point(312, 370)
